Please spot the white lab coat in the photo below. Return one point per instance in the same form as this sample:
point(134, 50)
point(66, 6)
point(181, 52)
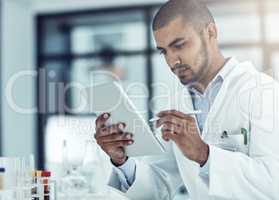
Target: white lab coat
point(247, 99)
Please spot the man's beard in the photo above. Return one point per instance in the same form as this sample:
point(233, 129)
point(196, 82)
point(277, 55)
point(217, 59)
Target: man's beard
point(196, 77)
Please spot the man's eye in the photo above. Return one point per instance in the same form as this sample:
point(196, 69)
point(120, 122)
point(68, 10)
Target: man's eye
point(179, 46)
point(162, 52)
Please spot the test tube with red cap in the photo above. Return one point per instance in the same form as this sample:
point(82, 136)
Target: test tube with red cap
point(45, 177)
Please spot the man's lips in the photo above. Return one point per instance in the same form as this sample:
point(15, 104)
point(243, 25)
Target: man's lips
point(182, 71)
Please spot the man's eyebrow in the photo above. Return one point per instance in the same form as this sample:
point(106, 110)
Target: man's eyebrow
point(171, 44)
point(175, 41)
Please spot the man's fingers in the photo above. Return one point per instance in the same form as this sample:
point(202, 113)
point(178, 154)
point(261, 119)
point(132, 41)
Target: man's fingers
point(115, 128)
point(116, 137)
point(108, 130)
point(101, 120)
point(123, 143)
point(169, 119)
point(169, 135)
point(172, 128)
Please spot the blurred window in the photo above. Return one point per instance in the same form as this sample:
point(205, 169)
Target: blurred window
point(77, 50)
point(253, 55)
point(125, 31)
point(237, 21)
point(272, 28)
point(131, 73)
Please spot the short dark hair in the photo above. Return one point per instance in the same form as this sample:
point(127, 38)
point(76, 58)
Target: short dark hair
point(192, 11)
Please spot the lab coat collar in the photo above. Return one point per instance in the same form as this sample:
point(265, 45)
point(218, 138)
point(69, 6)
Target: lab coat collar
point(226, 69)
point(220, 76)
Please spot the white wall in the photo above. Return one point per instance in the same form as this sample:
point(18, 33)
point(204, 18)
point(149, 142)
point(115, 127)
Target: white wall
point(18, 130)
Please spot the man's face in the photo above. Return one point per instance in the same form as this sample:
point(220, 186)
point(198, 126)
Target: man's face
point(185, 50)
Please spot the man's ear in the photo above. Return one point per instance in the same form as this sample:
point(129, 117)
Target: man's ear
point(212, 31)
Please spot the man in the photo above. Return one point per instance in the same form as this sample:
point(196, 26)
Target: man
point(231, 152)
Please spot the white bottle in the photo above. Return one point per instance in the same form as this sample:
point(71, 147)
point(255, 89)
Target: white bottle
point(65, 161)
point(92, 168)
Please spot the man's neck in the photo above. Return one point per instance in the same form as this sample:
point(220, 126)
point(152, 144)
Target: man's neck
point(217, 64)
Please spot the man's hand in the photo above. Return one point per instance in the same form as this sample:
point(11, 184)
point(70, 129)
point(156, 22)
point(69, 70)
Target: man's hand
point(112, 139)
point(182, 129)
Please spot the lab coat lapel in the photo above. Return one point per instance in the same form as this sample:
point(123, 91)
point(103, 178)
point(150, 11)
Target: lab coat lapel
point(216, 106)
point(215, 112)
point(188, 169)
point(220, 98)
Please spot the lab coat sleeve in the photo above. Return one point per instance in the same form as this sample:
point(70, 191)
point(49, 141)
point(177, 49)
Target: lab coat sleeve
point(129, 171)
point(235, 175)
point(204, 170)
point(156, 178)
point(125, 174)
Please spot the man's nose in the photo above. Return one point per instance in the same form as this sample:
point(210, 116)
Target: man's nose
point(175, 63)
point(173, 60)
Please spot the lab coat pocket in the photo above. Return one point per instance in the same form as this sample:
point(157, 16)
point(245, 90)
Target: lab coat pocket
point(234, 142)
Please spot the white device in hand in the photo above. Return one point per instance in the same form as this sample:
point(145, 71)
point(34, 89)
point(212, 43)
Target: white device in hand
point(110, 97)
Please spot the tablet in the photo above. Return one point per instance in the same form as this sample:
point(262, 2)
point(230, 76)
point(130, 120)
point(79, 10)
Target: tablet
point(111, 97)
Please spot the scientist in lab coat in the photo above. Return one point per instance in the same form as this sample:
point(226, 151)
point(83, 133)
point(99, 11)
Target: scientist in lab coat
point(230, 150)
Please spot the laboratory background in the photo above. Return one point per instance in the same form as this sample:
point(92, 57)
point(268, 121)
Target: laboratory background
point(51, 50)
